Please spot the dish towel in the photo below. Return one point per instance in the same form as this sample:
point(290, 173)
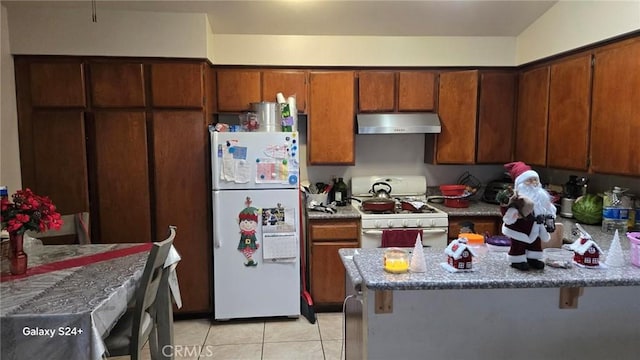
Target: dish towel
point(400, 238)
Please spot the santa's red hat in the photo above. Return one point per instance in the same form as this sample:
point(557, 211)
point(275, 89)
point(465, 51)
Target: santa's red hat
point(520, 172)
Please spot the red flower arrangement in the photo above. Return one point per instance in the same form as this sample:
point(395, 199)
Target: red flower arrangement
point(29, 212)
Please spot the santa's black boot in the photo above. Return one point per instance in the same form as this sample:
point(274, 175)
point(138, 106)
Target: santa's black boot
point(536, 264)
point(523, 266)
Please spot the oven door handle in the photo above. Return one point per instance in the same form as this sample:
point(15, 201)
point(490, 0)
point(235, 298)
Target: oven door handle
point(430, 231)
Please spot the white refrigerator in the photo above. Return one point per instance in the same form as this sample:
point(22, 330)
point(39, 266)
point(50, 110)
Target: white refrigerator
point(256, 224)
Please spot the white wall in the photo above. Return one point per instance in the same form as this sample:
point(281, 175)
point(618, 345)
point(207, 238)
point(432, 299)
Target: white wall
point(9, 153)
point(363, 50)
point(572, 24)
point(70, 31)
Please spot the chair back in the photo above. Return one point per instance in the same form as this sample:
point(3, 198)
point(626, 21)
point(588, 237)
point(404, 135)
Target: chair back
point(148, 289)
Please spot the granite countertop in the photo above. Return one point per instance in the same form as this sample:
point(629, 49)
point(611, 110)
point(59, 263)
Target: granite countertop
point(476, 208)
point(350, 267)
point(491, 269)
point(343, 212)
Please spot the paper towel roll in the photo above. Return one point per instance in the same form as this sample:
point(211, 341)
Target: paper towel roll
point(291, 100)
point(280, 98)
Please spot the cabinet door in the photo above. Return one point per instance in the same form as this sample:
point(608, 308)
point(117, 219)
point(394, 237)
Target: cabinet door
point(615, 119)
point(457, 107)
point(237, 89)
point(482, 225)
point(180, 168)
point(330, 125)
point(177, 85)
point(289, 83)
point(117, 84)
point(122, 177)
point(416, 90)
point(531, 123)
point(60, 159)
point(376, 91)
point(327, 272)
point(57, 84)
point(569, 97)
point(496, 117)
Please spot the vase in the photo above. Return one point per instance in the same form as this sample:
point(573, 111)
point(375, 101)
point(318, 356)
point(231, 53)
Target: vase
point(17, 256)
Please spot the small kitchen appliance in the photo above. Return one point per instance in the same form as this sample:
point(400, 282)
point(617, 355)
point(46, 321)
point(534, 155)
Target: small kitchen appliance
point(407, 190)
point(256, 224)
point(493, 188)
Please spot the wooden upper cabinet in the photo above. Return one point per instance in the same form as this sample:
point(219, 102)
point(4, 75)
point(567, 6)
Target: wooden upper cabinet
point(237, 89)
point(376, 91)
point(289, 83)
point(569, 103)
point(416, 90)
point(60, 159)
point(496, 117)
point(531, 123)
point(330, 124)
point(457, 107)
point(615, 117)
point(117, 84)
point(57, 84)
point(384, 91)
point(178, 85)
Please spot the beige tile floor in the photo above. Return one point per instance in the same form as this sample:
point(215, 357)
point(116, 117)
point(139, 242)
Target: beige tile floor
point(277, 339)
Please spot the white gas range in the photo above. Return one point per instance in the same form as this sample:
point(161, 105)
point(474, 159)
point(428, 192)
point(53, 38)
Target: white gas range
point(408, 189)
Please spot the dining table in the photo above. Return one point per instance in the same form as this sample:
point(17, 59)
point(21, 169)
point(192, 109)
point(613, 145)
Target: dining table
point(72, 296)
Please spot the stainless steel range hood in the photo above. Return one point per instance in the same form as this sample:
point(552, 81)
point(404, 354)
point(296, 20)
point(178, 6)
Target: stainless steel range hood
point(398, 123)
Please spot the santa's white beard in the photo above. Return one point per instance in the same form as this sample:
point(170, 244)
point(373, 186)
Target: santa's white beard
point(541, 199)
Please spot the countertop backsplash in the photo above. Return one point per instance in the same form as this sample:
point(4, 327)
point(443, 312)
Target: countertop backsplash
point(387, 154)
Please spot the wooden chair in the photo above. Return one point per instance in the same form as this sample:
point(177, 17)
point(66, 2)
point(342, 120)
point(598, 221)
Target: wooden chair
point(138, 324)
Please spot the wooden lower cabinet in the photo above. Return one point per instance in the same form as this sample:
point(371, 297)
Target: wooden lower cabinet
point(482, 225)
point(326, 271)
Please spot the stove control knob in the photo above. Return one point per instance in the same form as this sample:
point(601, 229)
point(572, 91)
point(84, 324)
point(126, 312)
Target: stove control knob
point(390, 223)
point(418, 223)
point(405, 223)
point(377, 224)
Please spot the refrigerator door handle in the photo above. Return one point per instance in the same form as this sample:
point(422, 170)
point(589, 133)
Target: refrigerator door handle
point(216, 241)
point(217, 237)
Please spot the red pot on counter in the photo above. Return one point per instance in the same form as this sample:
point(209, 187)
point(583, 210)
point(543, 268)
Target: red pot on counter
point(454, 190)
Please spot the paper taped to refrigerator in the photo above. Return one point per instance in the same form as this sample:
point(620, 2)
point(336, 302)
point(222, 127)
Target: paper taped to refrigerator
point(282, 247)
point(235, 166)
point(275, 165)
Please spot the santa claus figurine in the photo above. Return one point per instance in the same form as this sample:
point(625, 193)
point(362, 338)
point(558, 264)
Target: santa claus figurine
point(529, 219)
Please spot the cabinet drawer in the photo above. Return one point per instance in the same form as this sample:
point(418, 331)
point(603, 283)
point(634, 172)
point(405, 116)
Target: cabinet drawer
point(334, 231)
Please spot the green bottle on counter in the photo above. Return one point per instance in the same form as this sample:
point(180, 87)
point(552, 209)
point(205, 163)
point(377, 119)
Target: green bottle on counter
point(340, 194)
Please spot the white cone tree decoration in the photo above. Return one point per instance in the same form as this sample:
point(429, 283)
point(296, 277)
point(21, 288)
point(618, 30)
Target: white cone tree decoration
point(614, 255)
point(417, 259)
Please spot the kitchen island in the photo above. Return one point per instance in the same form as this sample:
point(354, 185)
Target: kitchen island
point(493, 312)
